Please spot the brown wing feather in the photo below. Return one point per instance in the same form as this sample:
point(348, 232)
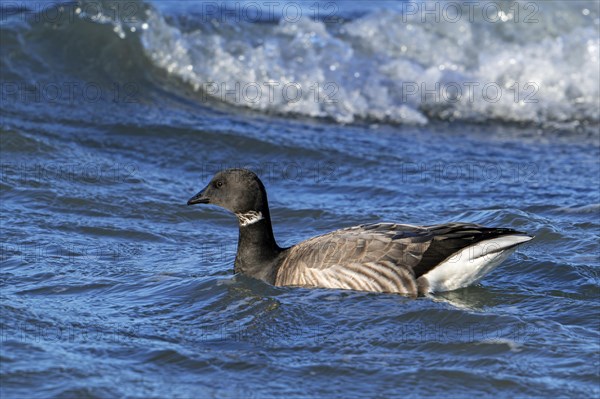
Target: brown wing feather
point(381, 257)
point(375, 257)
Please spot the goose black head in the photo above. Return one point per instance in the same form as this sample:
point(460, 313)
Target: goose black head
point(237, 190)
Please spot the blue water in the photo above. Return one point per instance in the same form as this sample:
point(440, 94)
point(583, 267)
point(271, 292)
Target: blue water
point(111, 286)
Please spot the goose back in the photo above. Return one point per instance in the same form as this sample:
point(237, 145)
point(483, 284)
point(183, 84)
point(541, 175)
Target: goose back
point(382, 257)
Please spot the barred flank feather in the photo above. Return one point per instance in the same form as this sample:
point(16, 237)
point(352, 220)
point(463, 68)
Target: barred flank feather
point(398, 258)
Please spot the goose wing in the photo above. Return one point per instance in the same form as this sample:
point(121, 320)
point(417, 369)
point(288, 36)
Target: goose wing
point(381, 257)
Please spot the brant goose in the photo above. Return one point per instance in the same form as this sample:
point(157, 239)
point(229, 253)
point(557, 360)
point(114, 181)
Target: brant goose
point(380, 257)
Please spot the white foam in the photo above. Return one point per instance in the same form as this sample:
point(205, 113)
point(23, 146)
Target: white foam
point(547, 72)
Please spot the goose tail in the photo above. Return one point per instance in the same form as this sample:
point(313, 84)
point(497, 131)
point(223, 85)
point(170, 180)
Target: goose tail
point(469, 265)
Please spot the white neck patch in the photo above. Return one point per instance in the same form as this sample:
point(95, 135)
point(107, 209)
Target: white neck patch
point(249, 217)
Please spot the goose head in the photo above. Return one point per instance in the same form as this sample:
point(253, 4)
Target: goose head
point(237, 190)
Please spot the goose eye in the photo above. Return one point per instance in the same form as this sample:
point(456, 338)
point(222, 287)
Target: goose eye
point(219, 184)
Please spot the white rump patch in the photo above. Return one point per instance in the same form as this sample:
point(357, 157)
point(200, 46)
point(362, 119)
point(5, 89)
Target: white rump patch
point(249, 217)
point(472, 263)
